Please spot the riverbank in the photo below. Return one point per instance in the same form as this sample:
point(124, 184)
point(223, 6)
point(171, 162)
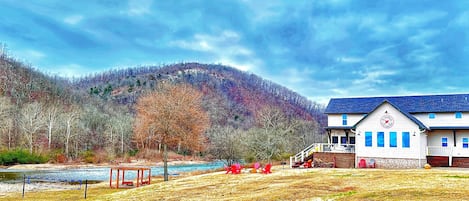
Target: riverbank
point(11, 177)
point(53, 166)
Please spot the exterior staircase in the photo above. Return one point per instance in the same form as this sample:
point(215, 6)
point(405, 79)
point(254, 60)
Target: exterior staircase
point(304, 155)
point(325, 155)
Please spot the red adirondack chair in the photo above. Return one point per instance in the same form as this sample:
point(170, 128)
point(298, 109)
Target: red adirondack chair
point(372, 163)
point(233, 169)
point(236, 168)
point(266, 170)
point(228, 169)
point(308, 164)
point(362, 163)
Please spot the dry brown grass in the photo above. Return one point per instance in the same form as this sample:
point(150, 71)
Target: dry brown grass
point(304, 184)
point(311, 184)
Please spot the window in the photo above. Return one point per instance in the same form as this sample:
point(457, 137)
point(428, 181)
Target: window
point(368, 139)
point(444, 142)
point(431, 116)
point(465, 143)
point(343, 140)
point(405, 139)
point(380, 139)
point(335, 139)
point(344, 119)
point(392, 139)
point(352, 140)
point(458, 115)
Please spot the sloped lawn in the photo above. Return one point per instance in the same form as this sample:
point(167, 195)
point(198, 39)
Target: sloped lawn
point(296, 184)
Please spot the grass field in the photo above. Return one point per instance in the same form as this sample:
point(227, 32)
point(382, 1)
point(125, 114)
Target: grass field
point(289, 184)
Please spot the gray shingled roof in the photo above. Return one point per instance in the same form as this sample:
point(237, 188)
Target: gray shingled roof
point(410, 104)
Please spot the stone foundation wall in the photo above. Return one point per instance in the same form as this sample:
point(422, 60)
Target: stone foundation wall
point(394, 163)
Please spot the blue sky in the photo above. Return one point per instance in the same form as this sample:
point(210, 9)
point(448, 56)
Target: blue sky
point(320, 49)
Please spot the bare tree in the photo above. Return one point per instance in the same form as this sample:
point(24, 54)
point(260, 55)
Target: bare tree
point(31, 123)
point(52, 115)
point(173, 114)
point(272, 136)
point(69, 117)
point(6, 109)
point(119, 131)
point(226, 143)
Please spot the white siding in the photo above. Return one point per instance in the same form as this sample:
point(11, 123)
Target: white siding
point(336, 119)
point(443, 119)
point(401, 124)
point(434, 141)
point(434, 138)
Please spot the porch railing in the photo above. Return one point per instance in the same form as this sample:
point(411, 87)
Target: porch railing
point(321, 147)
point(447, 151)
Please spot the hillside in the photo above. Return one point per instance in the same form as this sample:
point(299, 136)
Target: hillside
point(23, 84)
point(91, 118)
point(230, 95)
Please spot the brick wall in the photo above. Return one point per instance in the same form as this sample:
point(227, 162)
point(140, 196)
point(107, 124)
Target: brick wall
point(438, 161)
point(460, 162)
point(343, 160)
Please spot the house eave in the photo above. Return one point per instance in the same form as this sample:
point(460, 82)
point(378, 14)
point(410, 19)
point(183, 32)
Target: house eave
point(339, 127)
point(449, 127)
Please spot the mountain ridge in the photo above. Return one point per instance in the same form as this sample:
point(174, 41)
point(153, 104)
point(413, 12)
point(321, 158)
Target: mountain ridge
point(237, 87)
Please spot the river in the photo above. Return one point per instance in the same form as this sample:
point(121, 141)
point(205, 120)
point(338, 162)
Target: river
point(95, 174)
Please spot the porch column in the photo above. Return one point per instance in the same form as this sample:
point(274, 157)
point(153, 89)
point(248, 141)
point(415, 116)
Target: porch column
point(454, 137)
point(450, 158)
point(346, 137)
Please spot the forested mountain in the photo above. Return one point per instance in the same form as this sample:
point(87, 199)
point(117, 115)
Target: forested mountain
point(232, 97)
point(91, 117)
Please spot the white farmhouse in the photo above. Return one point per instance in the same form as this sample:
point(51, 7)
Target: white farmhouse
point(405, 131)
point(396, 132)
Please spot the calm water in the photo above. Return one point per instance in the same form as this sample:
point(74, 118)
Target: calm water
point(95, 174)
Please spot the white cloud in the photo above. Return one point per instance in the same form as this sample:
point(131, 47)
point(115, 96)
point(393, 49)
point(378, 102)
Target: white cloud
point(34, 54)
point(341, 92)
point(463, 19)
point(417, 20)
point(226, 41)
point(372, 75)
point(423, 36)
point(224, 48)
point(238, 65)
point(29, 55)
point(73, 71)
point(139, 7)
point(262, 11)
point(74, 19)
point(333, 29)
point(427, 53)
point(349, 59)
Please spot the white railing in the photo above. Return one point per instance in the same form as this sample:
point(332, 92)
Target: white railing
point(447, 151)
point(321, 147)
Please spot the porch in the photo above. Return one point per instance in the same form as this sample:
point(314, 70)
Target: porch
point(438, 156)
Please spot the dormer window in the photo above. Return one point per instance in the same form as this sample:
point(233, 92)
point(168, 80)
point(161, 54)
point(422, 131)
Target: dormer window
point(458, 115)
point(431, 116)
point(344, 119)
